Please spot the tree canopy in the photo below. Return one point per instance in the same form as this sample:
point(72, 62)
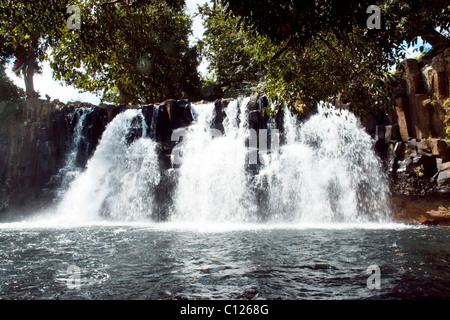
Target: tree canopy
point(318, 49)
point(235, 70)
point(128, 51)
point(28, 29)
point(8, 90)
point(137, 52)
point(297, 52)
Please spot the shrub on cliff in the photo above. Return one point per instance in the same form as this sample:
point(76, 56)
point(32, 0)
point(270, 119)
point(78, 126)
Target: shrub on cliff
point(10, 111)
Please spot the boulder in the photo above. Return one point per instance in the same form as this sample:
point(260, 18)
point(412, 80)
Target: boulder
point(411, 148)
point(443, 178)
point(425, 147)
point(434, 147)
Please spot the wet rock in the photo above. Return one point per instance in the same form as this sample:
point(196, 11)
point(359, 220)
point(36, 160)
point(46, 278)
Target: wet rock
point(172, 115)
point(430, 223)
point(220, 114)
point(163, 126)
point(164, 195)
point(431, 209)
point(136, 130)
point(258, 118)
point(179, 112)
point(441, 150)
point(398, 155)
point(95, 125)
point(148, 112)
point(112, 111)
point(382, 149)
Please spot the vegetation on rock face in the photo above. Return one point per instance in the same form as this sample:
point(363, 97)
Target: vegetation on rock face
point(10, 111)
point(446, 106)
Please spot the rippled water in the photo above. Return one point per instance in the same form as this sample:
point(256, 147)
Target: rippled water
point(164, 261)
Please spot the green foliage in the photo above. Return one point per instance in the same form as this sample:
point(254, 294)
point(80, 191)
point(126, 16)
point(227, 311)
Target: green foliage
point(322, 71)
point(10, 111)
point(136, 53)
point(8, 90)
point(236, 70)
point(27, 29)
point(318, 49)
point(210, 90)
point(446, 106)
point(419, 171)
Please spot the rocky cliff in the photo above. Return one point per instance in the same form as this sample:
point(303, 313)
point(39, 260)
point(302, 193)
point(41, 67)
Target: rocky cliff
point(415, 149)
point(423, 98)
point(33, 141)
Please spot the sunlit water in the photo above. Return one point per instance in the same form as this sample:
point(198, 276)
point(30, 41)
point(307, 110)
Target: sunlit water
point(166, 261)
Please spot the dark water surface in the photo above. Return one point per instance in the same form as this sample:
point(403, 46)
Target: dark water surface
point(153, 262)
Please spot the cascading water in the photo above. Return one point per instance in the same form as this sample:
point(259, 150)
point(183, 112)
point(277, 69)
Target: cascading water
point(212, 185)
point(119, 179)
point(71, 168)
point(326, 173)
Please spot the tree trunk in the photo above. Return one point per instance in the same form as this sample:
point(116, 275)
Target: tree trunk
point(28, 74)
point(122, 97)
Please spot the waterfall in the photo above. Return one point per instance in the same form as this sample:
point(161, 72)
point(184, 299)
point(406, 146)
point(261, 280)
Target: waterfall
point(77, 148)
point(119, 178)
point(212, 185)
point(326, 172)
